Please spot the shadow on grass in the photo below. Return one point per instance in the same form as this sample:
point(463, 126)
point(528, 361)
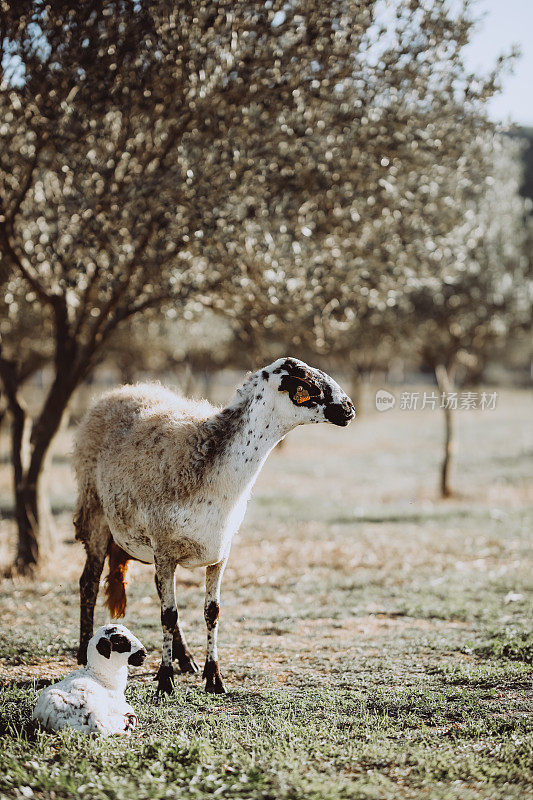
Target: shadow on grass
point(28, 683)
point(511, 644)
point(398, 517)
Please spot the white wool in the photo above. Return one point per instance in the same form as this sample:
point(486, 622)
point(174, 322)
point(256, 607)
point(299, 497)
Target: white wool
point(91, 699)
point(168, 480)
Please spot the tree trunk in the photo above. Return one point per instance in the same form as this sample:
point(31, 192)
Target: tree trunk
point(27, 518)
point(27, 546)
point(208, 384)
point(3, 413)
point(26, 506)
point(127, 372)
point(30, 508)
point(445, 384)
point(188, 381)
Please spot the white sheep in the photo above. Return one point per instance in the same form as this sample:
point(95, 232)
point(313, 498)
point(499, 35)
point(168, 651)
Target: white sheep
point(92, 699)
point(166, 480)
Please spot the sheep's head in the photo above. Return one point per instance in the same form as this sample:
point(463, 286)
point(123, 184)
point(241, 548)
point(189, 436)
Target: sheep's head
point(116, 644)
point(309, 395)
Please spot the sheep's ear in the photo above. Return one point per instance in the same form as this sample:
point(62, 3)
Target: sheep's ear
point(104, 647)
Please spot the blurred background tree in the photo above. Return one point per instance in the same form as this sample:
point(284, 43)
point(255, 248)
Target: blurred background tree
point(304, 170)
point(482, 297)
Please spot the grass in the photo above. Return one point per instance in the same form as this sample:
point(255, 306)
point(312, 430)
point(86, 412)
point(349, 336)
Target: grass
point(376, 643)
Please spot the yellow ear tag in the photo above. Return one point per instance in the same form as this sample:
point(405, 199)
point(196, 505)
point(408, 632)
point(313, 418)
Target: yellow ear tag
point(302, 395)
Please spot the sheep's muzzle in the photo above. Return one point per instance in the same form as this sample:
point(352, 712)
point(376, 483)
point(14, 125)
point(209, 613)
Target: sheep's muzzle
point(137, 658)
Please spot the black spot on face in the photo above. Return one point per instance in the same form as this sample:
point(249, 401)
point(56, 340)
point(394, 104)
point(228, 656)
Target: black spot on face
point(104, 647)
point(293, 385)
point(339, 413)
point(137, 658)
point(264, 374)
point(120, 643)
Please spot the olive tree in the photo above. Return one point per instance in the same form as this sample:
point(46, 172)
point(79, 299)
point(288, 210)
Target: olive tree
point(136, 143)
point(483, 294)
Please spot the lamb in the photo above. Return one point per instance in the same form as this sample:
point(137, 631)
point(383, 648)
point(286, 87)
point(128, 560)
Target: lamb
point(166, 480)
point(92, 699)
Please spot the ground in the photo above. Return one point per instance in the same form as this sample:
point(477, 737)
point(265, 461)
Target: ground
point(375, 641)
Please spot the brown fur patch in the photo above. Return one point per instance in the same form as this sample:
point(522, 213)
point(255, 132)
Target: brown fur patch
point(115, 583)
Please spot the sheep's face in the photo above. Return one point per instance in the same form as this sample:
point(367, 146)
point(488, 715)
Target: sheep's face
point(117, 645)
point(307, 394)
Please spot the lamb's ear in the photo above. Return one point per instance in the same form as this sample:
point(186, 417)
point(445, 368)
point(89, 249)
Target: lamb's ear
point(104, 647)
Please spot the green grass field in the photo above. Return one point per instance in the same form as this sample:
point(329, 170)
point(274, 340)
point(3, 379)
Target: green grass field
point(375, 642)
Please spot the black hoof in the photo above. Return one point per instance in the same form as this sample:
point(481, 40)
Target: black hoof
point(165, 681)
point(186, 663)
point(215, 688)
point(214, 683)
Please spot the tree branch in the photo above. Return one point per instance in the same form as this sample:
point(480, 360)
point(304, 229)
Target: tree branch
point(21, 262)
point(26, 184)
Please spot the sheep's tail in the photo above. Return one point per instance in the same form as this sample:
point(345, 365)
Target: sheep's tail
point(115, 583)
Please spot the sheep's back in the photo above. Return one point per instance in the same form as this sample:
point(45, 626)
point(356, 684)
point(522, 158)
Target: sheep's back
point(138, 439)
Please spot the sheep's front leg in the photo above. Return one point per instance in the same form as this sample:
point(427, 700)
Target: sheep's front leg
point(164, 579)
point(213, 579)
point(180, 651)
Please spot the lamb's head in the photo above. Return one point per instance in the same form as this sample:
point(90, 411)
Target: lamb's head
point(305, 394)
point(115, 646)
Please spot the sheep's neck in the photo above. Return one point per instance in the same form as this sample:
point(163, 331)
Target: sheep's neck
point(113, 679)
point(255, 430)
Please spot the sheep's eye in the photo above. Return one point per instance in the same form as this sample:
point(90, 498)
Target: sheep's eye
point(301, 395)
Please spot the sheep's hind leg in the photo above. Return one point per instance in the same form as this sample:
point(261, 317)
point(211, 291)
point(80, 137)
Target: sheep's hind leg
point(96, 547)
point(213, 579)
point(164, 580)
